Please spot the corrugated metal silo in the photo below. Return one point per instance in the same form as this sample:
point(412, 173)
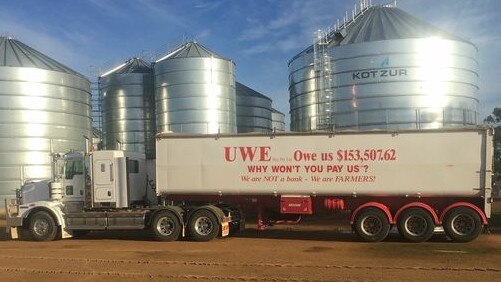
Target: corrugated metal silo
point(384, 69)
point(277, 120)
point(195, 91)
point(253, 110)
point(128, 107)
point(44, 107)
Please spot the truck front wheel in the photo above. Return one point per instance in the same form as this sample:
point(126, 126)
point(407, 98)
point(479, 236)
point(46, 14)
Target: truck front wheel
point(42, 227)
point(166, 226)
point(372, 225)
point(462, 224)
point(416, 225)
point(203, 226)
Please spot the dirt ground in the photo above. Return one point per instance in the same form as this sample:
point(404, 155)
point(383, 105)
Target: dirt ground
point(314, 251)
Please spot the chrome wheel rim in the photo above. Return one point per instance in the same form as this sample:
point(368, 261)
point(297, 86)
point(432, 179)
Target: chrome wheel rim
point(203, 225)
point(415, 226)
point(41, 227)
point(371, 225)
point(165, 226)
point(463, 224)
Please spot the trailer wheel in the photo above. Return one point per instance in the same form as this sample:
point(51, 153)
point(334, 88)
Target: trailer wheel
point(203, 226)
point(462, 224)
point(166, 226)
point(372, 225)
point(416, 225)
point(42, 227)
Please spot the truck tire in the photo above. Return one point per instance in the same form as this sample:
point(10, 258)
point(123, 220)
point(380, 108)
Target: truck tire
point(42, 227)
point(372, 225)
point(203, 226)
point(462, 224)
point(166, 226)
point(416, 225)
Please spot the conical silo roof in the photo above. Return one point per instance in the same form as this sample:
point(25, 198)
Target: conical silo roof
point(14, 53)
point(379, 23)
point(243, 90)
point(386, 23)
point(275, 111)
point(133, 65)
point(191, 49)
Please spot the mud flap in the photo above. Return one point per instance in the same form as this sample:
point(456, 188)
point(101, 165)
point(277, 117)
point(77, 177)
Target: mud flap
point(65, 234)
point(13, 232)
point(225, 229)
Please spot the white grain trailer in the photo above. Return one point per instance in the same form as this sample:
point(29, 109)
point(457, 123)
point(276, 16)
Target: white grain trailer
point(416, 180)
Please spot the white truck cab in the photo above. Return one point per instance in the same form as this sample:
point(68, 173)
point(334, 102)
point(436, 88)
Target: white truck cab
point(100, 180)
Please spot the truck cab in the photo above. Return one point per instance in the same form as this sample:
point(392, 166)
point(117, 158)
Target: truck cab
point(84, 186)
point(106, 179)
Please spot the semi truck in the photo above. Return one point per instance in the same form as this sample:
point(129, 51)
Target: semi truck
point(416, 181)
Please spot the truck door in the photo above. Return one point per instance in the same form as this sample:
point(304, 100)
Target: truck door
point(74, 178)
point(104, 181)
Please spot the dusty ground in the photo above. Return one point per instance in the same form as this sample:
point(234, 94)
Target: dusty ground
point(316, 250)
point(310, 252)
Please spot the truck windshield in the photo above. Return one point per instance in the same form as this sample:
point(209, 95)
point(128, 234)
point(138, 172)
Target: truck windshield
point(73, 167)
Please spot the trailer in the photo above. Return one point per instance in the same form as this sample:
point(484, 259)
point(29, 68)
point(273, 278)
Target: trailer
point(415, 181)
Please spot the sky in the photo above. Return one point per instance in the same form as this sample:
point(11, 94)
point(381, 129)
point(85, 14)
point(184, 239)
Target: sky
point(260, 36)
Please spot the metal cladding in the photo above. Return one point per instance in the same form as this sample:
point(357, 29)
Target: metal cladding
point(253, 110)
point(278, 120)
point(384, 69)
point(44, 107)
point(128, 109)
point(195, 91)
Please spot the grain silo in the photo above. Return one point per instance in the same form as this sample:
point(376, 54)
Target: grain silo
point(195, 91)
point(128, 107)
point(381, 68)
point(253, 110)
point(277, 120)
point(44, 108)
